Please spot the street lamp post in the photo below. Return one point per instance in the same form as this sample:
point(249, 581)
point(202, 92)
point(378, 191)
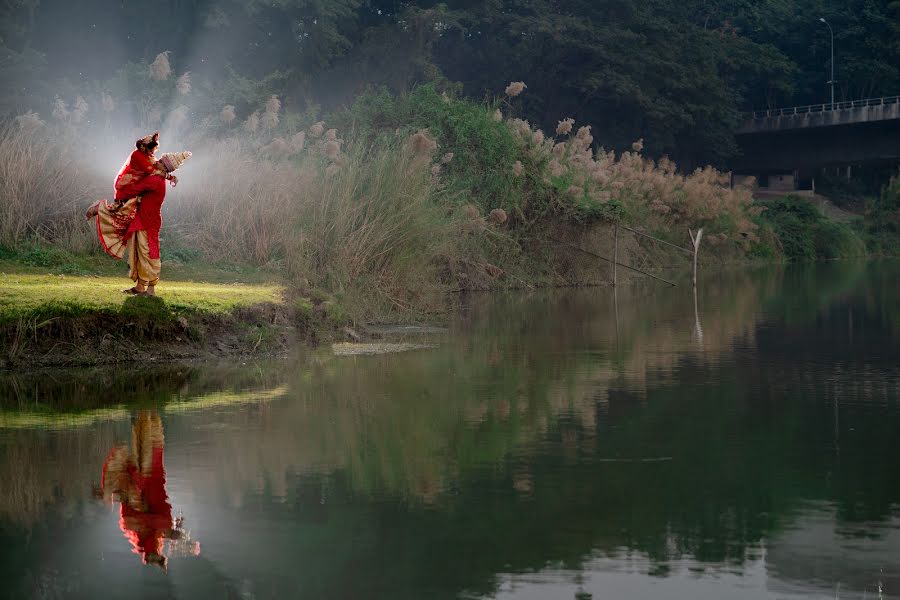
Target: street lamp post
point(832, 59)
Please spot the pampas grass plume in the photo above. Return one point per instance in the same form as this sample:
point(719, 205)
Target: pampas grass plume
point(556, 169)
point(29, 121)
point(522, 127)
point(421, 144)
point(584, 136)
point(252, 122)
point(273, 104)
point(471, 211)
point(517, 168)
point(160, 69)
point(565, 126)
point(515, 88)
point(575, 191)
point(183, 85)
point(332, 149)
point(498, 215)
point(60, 111)
point(80, 109)
point(228, 113)
point(269, 120)
point(317, 129)
point(559, 150)
point(278, 147)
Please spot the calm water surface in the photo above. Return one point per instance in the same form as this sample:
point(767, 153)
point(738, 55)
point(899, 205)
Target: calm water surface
point(571, 445)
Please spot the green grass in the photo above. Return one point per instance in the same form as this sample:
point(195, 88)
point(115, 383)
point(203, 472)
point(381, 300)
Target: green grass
point(26, 289)
point(29, 290)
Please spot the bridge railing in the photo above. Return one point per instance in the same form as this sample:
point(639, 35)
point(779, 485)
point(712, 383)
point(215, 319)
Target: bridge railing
point(826, 107)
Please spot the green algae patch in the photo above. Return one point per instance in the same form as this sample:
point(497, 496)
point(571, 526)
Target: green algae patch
point(360, 349)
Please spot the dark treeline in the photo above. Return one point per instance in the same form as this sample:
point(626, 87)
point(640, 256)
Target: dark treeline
point(677, 73)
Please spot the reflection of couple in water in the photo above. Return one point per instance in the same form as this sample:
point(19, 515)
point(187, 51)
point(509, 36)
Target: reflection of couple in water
point(136, 478)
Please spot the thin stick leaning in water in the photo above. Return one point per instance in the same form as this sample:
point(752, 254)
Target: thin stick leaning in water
point(612, 261)
point(615, 252)
point(650, 237)
point(634, 460)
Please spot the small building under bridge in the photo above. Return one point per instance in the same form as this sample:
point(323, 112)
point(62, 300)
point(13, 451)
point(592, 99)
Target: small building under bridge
point(784, 148)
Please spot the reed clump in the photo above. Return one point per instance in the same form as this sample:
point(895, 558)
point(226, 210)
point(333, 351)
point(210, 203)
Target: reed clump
point(361, 220)
point(43, 188)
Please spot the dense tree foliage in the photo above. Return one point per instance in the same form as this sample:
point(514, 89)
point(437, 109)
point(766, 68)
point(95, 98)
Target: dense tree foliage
point(676, 73)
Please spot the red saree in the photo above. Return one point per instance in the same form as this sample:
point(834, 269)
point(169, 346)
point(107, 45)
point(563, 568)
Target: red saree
point(140, 192)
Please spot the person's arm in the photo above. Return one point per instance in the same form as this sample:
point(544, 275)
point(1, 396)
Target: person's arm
point(159, 169)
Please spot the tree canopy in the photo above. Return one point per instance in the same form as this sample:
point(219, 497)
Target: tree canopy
point(678, 74)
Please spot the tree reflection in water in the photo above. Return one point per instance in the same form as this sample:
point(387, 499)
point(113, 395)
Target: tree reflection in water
point(135, 477)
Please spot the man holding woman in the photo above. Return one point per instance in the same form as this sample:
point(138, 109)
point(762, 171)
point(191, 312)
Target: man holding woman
point(130, 225)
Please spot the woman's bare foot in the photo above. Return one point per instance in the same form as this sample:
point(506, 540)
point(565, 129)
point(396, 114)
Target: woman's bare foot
point(93, 210)
point(131, 291)
point(150, 291)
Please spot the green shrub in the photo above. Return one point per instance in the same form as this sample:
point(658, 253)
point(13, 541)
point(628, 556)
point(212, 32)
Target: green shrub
point(806, 234)
point(483, 149)
point(881, 226)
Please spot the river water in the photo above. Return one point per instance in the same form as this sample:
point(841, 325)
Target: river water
point(568, 444)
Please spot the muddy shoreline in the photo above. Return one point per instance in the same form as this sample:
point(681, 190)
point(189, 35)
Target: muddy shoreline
point(106, 337)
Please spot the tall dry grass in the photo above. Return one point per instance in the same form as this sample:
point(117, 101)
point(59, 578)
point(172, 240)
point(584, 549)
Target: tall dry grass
point(43, 190)
point(634, 189)
point(359, 220)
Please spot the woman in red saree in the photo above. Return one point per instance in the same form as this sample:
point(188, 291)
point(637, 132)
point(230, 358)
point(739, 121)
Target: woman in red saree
point(130, 226)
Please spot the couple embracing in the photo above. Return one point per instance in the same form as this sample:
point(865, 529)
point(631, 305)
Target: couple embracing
point(129, 226)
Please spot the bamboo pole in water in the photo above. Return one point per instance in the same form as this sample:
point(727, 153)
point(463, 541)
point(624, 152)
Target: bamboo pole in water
point(615, 252)
point(695, 241)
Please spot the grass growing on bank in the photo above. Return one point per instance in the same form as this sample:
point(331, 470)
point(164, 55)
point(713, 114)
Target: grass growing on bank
point(22, 293)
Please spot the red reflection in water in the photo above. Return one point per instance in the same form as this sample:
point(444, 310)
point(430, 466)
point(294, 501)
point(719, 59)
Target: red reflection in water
point(136, 477)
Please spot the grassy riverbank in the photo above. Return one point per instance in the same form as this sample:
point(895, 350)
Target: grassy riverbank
point(379, 213)
point(73, 313)
point(391, 205)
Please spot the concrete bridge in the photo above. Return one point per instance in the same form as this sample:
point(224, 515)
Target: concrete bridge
point(785, 147)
